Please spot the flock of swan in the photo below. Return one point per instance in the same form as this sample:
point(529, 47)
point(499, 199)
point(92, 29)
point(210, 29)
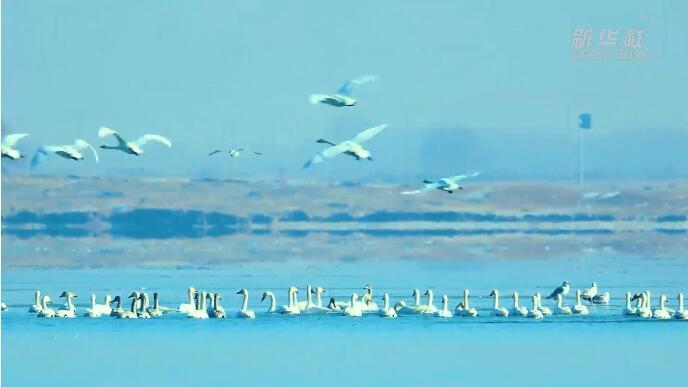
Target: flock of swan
point(342, 98)
point(205, 304)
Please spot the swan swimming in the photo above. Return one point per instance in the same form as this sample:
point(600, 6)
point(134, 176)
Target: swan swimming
point(368, 305)
point(233, 152)
point(92, 311)
point(561, 309)
point(662, 313)
point(131, 147)
point(386, 311)
point(643, 309)
point(518, 310)
point(218, 310)
point(118, 309)
point(430, 308)
point(444, 312)
point(417, 308)
point(353, 310)
point(3, 307)
point(343, 95)
point(67, 310)
point(245, 312)
point(351, 147)
point(601, 298)
point(273, 303)
point(579, 308)
point(191, 305)
point(446, 184)
point(563, 290)
point(589, 293)
point(291, 307)
point(201, 311)
point(70, 152)
point(535, 312)
point(142, 312)
point(45, 310)
point(36, 307)
point(681, 313)
point(630, 310)
point(7, 146)
point(155, 311)
point(131, 313)
point(467, 310)
point(498, 311)
point(546, 311)
point(314, 308)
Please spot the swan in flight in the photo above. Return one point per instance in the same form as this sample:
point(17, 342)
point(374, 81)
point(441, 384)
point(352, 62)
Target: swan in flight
point(351, 147)
point(245, 312)
point(535, 312)
point(131, 147)
point(496, 309)
point(518, 310)
point(589, 293)
point(446, 184)
point(444, 312)
point(662, 313)
point(579, 308)
point(681, 313)
point(561, 309)
point(191, 305)
point(467, 310)
point(68, 310)
point(601, 298)
point(343, 95)
point(67, 151)
point(563, 290)
point(546, 311)
point(36, 307)
point(7, 146)
point(45, 310)
point(386, 311)
point(233, 152)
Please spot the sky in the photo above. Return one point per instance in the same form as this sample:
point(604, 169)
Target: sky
point(463, 85)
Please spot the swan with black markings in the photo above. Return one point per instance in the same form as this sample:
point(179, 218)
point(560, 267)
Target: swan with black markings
point(444, 312)
point(45, 310)
point(68, 310)
point(131, 147)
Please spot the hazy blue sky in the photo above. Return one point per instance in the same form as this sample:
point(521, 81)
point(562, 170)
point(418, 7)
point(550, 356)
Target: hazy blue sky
point(464, 85)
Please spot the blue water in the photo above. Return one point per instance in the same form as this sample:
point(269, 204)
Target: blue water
point(601, 349)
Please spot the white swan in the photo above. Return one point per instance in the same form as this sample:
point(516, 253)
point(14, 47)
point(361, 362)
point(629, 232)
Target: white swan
point(546, 311)
point(535, 312)
point(467, 310)
point(7, 146)
point(446, 184)
point(643, 310)
point(3, 307)
point(68, 310)
point(291, 307)
point(444, 312)
point(563, 290)
point(579, 308)
point(104, 308)
point(131, 147)
point(233, 152)
point(354, 309)
point(368, 305)
point(201, 311)
point(630, 310)
point(36, 307)
point(92, 312)
point(351, 147)
point(273, 303)
point(430, 308)
point(218, 311)
point(518, 310)
point(343, 95)
point(45, 310)
point(191, 305)
point(561, 309)
point(681, 313)
point(315, 308)
point(601, 298)
point(70, 152)
point(156, 310)
point(417, 308)
point(245, 312)
point(131, 313)
point(662, 313)
point(496, 309)
point(589, 293)
point(386, 311)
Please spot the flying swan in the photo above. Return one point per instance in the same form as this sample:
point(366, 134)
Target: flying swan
point(67, 151)
point(131, 147)
point(343, 95)
point(446, 184)
point(351, 147)
point(8, 143)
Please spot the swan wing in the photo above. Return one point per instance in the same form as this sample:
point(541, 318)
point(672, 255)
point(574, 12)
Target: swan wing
point(104, 132)
point(321, 98)
point(214, 152)
point(426, 188)
point(82, 144)
point(368, 133)
point(153, 137)
point(349, 86)
point(327, 154)
point(12, 139)
point(457, 178)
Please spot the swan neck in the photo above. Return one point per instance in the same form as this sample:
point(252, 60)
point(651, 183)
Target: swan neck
point(385, 301)
point(272, 302)
point(309, 298)
point(516, 300)
point(244, 303)
point(417, 297)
